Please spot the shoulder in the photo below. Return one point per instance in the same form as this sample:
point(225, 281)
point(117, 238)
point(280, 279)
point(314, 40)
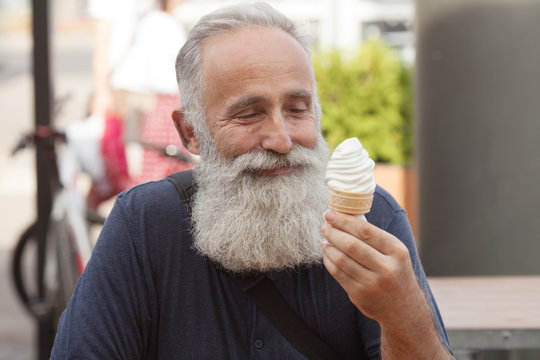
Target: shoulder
point(384, 209)
point(383, 198)
point(156, 221)
point(153, 206)
point(149, 210)
point(152, 196)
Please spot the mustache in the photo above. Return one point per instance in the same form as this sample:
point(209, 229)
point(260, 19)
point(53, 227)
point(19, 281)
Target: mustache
point(257, 160)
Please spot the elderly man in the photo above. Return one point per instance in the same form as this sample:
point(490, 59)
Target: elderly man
point(159, 283)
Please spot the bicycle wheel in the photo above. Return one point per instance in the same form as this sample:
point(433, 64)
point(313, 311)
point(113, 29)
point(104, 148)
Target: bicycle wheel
point(59, 276)
point(67, 269)
point(21, 287)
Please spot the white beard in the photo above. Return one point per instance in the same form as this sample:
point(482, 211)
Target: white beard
point(245, 221)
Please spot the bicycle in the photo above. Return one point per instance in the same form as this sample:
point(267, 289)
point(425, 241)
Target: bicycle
point(62, 240)
point(68, 242)
point(65, 233)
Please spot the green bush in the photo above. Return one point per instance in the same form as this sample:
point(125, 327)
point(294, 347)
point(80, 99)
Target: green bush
point(367, 95)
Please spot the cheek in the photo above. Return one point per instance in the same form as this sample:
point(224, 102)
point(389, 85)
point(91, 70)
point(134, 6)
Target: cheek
point(306, 134)
point(234, 142)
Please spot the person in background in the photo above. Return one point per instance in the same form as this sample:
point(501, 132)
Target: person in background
point(161, 281)
point(134, 82)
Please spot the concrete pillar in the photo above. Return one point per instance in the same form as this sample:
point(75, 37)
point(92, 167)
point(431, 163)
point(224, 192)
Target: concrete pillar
point(478, 109)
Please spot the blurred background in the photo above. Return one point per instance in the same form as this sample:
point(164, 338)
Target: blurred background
point(444, 95)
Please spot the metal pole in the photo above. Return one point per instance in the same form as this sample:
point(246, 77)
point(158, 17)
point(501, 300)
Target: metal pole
point(43, 96)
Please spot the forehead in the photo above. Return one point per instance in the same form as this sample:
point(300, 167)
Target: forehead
point(252, 54)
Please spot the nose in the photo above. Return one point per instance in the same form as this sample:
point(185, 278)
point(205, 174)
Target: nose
point(276, 135)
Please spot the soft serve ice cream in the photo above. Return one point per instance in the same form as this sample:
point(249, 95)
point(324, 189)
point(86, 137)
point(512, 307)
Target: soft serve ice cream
point(350, 180)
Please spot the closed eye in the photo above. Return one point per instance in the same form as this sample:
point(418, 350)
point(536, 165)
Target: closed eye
point(248, 116)
point(298, 111)
point(298, 105)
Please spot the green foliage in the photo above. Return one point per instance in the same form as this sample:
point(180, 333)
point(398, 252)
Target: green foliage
point(367, 95)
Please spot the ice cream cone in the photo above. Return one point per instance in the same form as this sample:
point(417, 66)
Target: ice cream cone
point(349, 202)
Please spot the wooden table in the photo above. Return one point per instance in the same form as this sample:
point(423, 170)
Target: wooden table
point(489, 313)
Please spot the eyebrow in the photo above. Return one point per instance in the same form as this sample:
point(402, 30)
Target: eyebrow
point(244, 102)
point(302, 93)
point(250, 100)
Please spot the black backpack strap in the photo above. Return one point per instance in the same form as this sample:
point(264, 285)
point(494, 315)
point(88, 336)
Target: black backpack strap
point(185, 185)
point(265, 293)
point(277, 310)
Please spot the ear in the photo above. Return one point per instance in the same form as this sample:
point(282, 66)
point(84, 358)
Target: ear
point(187, 135)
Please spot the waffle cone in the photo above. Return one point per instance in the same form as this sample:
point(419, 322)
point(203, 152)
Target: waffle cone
point(349, 202)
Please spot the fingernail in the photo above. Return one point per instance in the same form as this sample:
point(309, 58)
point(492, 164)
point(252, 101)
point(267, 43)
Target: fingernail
point(324, 214)
point(323, 228)
point(330, 216)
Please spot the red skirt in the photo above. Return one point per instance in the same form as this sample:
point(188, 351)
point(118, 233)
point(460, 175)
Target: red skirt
point(157, 128)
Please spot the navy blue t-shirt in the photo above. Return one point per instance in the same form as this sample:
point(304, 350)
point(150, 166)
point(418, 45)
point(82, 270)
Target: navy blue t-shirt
point(146, 294)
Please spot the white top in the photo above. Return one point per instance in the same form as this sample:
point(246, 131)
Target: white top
point(143, 45)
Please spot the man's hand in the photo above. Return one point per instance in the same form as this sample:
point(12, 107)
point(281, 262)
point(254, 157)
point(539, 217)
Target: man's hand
point(375, 269)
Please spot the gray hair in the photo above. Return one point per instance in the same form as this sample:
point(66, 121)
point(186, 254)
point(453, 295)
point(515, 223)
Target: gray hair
point(224, 20)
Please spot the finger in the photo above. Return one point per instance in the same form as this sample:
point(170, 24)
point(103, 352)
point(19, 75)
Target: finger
point(363, 230)
point(347, 282)
point(345, 263)
point(353, 248)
